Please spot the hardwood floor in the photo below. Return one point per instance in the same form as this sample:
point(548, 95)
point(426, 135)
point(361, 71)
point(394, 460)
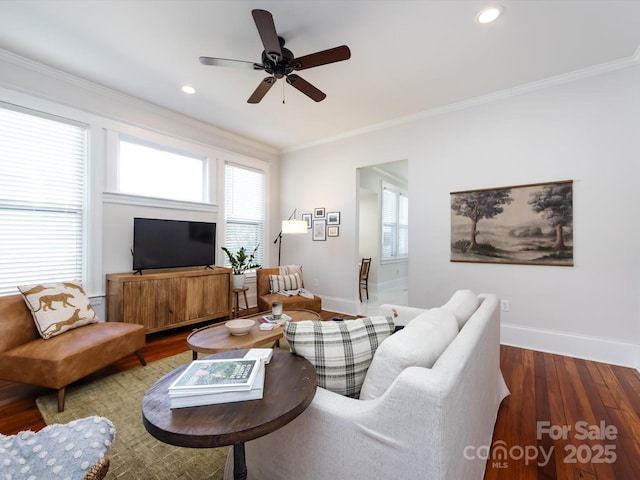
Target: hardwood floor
point(566, 418)
point(580, 411)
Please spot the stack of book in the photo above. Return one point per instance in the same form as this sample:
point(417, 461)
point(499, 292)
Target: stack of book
point(207, 382)
point(270, 318)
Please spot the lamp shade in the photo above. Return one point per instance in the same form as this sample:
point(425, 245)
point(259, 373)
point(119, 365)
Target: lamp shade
point(294, 226)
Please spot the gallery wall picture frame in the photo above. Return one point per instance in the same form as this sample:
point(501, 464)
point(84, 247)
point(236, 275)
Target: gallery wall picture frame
point(524, 225)
point(333, 218)
point(306, 217)
point(333, 231)
point(319, 230)
point(319, 212)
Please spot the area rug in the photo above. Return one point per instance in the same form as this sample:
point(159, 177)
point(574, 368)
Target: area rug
point(135, 453)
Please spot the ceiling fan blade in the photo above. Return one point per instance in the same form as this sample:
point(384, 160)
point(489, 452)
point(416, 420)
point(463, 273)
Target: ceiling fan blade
point(268, 35)
point(225, 62)
point(262, 90)
point(332, 55)
point(305, 87)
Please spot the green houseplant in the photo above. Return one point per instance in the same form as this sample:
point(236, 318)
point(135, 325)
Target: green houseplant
point(240, 263)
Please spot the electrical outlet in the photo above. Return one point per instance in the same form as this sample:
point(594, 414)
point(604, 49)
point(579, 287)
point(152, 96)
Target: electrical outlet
point(316, 282)
point(505, 306)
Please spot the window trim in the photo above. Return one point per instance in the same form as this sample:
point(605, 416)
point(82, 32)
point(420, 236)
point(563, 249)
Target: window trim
point(191, 148)
point(263, 169)
point(399, 192)
point(170, 147)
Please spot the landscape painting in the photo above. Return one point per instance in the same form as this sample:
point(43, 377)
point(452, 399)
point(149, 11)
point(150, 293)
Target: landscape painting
point(525, 224)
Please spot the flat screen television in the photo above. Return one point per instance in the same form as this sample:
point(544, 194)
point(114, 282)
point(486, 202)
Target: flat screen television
point(161, 243)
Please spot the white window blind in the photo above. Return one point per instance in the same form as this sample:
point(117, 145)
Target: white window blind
point(155, 171)
point(389, 224)
point(395, 224)
point(244, 210)
point(42, 198)
point(403, 225)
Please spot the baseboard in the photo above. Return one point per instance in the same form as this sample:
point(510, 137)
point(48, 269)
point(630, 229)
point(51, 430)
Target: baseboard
point(393, 284)
point(571, 345)
point(341, 305)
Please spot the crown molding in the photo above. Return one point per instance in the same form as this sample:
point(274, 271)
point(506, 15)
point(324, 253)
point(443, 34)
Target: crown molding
point(114, 96)
point(587, 72)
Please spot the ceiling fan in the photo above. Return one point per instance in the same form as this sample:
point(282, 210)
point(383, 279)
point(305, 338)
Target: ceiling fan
point(280, 62)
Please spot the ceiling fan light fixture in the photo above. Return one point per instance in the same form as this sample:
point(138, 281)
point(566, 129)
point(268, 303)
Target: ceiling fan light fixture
point(188, 89)
point(489, 14)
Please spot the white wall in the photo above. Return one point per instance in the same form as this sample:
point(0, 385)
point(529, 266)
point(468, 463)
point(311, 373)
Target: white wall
point(585, 130)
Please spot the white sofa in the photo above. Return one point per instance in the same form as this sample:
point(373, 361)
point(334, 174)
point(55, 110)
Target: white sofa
point(420, 427)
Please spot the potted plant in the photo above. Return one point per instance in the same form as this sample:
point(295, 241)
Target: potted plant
point(240, 263)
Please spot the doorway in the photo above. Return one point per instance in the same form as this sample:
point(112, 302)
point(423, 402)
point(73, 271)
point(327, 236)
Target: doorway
point(388, 277)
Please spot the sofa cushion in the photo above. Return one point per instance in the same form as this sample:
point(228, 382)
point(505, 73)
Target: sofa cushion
point(60, 360)
point(285, 282)
point(290, 270)
point(340, 351)
point(462, 304)
point(58, 307)
point(65, 451)
point(419, 344)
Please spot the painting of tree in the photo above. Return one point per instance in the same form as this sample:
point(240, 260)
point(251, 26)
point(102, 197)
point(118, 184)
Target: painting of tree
point(555, 203)
point(478, 205)
point(526, 224)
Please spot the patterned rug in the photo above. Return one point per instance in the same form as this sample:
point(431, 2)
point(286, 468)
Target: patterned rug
point(135, 453)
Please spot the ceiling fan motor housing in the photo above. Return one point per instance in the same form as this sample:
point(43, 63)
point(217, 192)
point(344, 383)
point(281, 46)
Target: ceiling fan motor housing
point(279, 68)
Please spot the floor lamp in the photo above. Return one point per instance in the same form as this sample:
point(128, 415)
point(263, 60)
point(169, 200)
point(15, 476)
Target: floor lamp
point(290, 226)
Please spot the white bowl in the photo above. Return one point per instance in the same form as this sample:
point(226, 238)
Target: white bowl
point(240, 326)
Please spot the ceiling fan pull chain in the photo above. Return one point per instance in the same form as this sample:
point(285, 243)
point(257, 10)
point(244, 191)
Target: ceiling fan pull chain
point(283, 83)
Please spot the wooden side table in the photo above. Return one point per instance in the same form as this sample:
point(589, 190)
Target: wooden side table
point(289, 386)
point(236, 298)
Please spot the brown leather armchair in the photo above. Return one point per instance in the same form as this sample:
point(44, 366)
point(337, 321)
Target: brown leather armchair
point(266, 298)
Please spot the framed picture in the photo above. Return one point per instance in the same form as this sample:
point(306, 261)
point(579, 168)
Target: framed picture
point(319, 230)
point(318, 213)
point(333, 218)
point(333, 231)
point(525, 224)
point(307, 218)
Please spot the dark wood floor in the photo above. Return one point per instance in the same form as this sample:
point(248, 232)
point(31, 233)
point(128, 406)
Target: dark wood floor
point(586, 414)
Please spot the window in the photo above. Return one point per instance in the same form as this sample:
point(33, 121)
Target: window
point(395, 224)
point(155, 171)
point(42, 199)
point(244, 210)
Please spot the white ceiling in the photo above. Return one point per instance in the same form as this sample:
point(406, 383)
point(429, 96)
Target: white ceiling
point(407, 56)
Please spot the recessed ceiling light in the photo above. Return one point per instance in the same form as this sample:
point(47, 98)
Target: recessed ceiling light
point(188, 89)
point(489, 14)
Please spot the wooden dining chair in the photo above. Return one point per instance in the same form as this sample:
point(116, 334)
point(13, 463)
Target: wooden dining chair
point(364, 277)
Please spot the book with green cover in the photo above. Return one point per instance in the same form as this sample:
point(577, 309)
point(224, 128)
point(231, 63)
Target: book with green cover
point(217, 375)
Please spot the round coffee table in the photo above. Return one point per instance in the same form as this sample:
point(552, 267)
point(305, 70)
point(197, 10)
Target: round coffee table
point(289, 386)
point(216, 338)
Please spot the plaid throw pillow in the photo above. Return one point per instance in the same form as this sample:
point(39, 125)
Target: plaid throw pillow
point(285, 282)
point(340, 351)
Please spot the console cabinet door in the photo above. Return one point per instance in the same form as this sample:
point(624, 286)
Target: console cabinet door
point(207, 295)
point(154, 303)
